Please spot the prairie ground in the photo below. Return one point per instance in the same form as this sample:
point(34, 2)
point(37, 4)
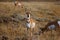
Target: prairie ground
point(43, 11)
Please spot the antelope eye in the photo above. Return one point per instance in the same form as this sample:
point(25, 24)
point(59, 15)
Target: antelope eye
point(27, 15)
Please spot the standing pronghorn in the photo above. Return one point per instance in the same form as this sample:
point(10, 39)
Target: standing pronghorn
point(30, 23)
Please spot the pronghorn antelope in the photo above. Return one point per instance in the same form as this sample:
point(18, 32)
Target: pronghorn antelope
point(30, 23)
point(18, 4)
point(54, 25)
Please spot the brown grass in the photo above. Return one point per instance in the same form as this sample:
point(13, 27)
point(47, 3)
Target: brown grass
point(46, 10)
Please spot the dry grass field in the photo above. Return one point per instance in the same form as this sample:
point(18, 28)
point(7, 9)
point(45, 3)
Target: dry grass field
point(42, 11)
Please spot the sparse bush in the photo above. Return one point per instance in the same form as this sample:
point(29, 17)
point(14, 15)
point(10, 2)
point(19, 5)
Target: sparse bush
point(17, 39)
point(24, 38)
point(1, 20)
point(4, 38)
point(42, 20)
point(16, 17)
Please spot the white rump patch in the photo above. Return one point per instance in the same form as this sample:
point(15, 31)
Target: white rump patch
point(19, 4)
point(59, 23)
point(51, 27)
point(33, 25)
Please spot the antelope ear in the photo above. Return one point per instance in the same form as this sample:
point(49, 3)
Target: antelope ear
point(58, 22)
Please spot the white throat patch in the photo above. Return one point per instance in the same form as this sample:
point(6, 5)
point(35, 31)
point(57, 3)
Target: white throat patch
point(58, 22)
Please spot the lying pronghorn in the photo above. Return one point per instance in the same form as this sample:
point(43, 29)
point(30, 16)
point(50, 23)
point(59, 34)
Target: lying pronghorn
point(54, 25)
point(18, 4)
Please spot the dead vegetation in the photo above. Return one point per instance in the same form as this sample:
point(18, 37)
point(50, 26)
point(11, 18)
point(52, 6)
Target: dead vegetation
point(13, 26)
